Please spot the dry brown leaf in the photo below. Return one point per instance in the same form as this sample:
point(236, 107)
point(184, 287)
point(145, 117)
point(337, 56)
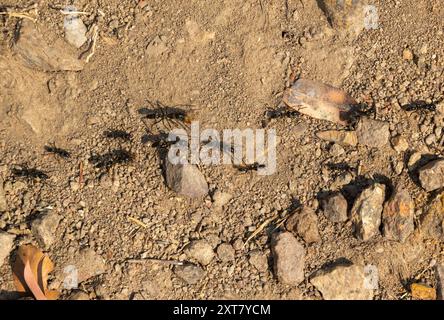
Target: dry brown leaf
point(31, 281)
point(320, 101)
point(30, 272)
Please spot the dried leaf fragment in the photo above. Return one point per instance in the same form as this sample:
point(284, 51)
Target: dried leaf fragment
point(30, 273)
point(320, 101)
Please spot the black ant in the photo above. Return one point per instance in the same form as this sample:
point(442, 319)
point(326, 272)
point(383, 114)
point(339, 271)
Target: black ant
point(161, 140)
point(160, 113)
point(111, 158)
point(250, 167)
point(358, 111)
point(342, 166)
point(282, 112)
point(224, 148)
point(57, 151)
point(117, 134)
point(29, 173)
point(419, 106)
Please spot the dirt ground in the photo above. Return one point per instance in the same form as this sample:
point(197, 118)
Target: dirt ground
point(231, 60)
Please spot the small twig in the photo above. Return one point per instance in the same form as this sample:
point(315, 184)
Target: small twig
point(93, 46)
point(19, 15)
point(138, 222)
point(162, 261)
point(261, 227)
point(429, 267)
point(81, 174)
point(404, 295)
point(74, 12)
point(280, 223)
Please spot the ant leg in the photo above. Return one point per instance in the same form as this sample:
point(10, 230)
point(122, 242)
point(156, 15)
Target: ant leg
point(180, 124)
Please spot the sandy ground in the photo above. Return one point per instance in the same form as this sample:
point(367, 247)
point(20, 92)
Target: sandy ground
point(230, 60)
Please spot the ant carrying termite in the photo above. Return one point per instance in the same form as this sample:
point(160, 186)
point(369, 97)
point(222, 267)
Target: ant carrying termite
point(160, 140)
point(162, 113)
point(280, 112)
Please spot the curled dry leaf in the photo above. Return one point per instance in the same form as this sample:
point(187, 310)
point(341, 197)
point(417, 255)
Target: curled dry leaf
point(30, 272)
point(319, 101)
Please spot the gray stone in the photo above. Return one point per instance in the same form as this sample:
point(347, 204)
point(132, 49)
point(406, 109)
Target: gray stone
point(189, 273)
point(225, 252)
point(373, 133)
point(258, 260)
point(33, 47)
point(44, 228)
point(201, 251)
point(342, 283)
point(335, 207)
point(75, 30)
point(186, 180)
point(432, 175)
point(304, 222)
point(347, 17)
point(6, 244)
point(432, 222)
point(288, 258)
point(398, 215)
point(367, 210)
point(87, 264)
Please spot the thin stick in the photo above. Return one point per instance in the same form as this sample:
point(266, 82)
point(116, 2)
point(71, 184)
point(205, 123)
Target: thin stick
point(260, 229)
point(81, 174)
point(162, 261)
point(94, 41)
point(404, 295)
point(280, 223)
point(19, 15)
point(138, 222)
point(73, 12)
